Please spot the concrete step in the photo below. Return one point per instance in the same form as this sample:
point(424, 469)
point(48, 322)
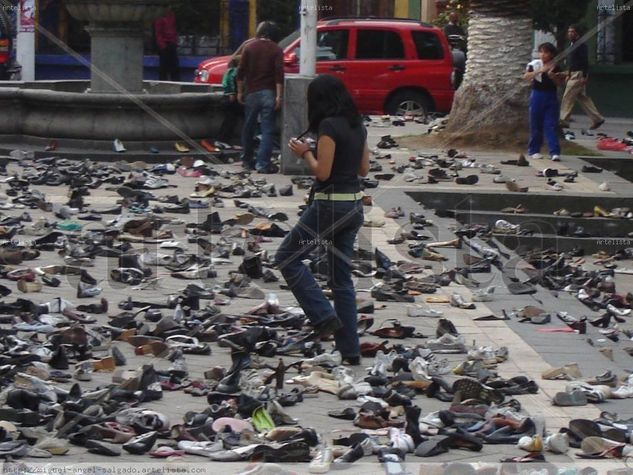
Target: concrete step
point(522, 244)
point(549, 223)
point(544, 203)
point(133, 154)
point(623, 167)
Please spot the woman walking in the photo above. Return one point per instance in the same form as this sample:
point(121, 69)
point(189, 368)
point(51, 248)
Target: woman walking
point(334, 215)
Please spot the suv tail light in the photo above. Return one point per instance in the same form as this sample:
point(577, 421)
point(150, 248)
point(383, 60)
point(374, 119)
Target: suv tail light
point(290, 59)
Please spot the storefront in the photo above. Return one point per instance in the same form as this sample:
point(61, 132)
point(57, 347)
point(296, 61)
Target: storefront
point(207, 28)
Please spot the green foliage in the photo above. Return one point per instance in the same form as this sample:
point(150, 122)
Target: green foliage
point(459, 6)
point(283, 12)
point(548, 15)
point(554, 16)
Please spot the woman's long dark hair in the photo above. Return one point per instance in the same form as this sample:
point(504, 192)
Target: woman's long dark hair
point(328, 97)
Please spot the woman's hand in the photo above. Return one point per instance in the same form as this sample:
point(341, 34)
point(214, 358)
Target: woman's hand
point(298, 147)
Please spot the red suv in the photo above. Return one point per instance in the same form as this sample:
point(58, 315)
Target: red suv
point(392, 66)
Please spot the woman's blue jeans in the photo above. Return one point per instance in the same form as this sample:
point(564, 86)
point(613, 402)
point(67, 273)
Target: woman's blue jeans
point(333, 224)
point(544, 113)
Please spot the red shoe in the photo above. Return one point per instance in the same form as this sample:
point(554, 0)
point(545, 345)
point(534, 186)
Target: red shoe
point(21, 274)
point(208, 146)
point(182, 171)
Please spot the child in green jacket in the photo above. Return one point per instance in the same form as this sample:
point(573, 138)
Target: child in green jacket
point(232, 109)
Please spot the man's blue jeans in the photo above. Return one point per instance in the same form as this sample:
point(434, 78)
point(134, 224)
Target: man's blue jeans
point(333, 224)
point(544, 114)
point(259, 104)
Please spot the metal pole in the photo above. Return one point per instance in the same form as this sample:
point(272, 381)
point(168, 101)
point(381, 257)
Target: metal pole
point(307, 60)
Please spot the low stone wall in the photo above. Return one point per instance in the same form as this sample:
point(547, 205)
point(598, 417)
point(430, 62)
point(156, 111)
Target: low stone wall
point(64, 111)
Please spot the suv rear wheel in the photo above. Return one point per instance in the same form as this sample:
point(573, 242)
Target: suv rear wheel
point(408, 102)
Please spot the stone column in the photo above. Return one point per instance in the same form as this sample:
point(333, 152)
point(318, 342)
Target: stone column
point(117, 57)
point(606, 33)
point(294, 122)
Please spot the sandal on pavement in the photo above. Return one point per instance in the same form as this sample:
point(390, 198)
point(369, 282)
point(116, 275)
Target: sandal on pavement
point(473, 389)
point(396, 330)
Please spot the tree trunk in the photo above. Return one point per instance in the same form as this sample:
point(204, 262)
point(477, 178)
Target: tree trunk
point(491, 106)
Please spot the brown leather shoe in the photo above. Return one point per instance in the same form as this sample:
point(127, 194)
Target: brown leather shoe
point(157, 348)
point(11, 257)
point(104, 364)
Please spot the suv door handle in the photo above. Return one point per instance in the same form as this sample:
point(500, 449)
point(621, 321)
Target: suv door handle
point(396, 67)
point(337, 68)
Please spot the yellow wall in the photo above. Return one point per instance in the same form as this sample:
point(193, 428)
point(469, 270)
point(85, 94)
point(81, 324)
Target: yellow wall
point(401, 9)
point(252, 17)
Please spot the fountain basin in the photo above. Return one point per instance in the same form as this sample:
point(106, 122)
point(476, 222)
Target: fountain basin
point(63, 110)
point(116, 11)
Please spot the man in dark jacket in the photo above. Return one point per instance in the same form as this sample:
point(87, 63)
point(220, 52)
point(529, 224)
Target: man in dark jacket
point(576, 88)
point(260, 78)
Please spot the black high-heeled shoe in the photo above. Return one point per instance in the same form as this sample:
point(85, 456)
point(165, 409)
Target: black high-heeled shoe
point(141, 444)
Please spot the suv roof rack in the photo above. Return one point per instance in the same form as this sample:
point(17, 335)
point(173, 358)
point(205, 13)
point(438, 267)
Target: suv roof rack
point(335, 19)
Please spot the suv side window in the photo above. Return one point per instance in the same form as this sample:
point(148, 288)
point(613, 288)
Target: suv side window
point(379, 44)
point(427, 45)
point(331, 45)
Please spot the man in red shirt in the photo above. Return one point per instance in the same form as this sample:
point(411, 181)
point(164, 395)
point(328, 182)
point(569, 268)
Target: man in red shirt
point(260, 78)
point(6, 42)
point(167, 42)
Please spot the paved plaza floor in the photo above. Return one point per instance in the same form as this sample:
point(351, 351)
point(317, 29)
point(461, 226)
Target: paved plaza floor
point(530, 352)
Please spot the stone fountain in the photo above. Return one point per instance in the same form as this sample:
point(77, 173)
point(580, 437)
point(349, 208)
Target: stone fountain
point(116, 30)
point(117, 103)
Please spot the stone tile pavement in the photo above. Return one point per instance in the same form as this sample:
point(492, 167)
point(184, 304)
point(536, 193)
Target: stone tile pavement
point(530, 352)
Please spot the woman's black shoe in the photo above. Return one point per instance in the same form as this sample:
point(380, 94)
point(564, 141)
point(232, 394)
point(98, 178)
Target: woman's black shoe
point(328, 327)
point(141, 444)
point(351, 360)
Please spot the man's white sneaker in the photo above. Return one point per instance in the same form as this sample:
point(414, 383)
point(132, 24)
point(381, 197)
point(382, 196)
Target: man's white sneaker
point(447, 343)
point(424, 312)
point(623, 392)
point(400, 440)
point(620, 312)
point(536, 156)
point(553, 185)
point(555, 158)
point(505, 227)
point(329, 359)
point(557, 443)
point(386, 359)
point(118, 146)
point(500, 179)
point(321, 461)
point(484, 295)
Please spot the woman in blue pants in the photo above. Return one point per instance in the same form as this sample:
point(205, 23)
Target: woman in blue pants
point(334, 216)
point(545, 77)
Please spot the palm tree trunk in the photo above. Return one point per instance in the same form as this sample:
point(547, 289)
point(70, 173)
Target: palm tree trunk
point(491, 104)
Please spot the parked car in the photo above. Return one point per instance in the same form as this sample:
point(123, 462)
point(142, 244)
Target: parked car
point(393, 66)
